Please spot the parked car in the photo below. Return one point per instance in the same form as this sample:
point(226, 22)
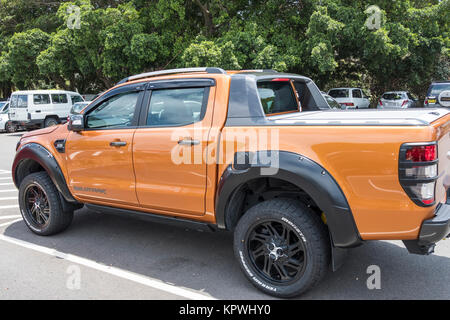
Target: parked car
point(78, 107)
point(331, 101)
point(41, 108)
point(230, 150)
point(5, 123)
point(397, 99)
point(435, 89)
point(350, 98)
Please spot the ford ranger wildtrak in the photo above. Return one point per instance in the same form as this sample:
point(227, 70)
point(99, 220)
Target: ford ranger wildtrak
point(255, 152)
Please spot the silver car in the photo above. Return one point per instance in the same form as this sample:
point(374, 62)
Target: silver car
point(397, 99)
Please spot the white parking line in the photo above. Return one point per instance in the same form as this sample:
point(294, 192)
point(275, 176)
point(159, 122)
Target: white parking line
point(8, 198)
point(149, 282)
point(7, 178)
point(10, 190)
point(9, 217)
point(6, 184)
point(10, 222)
point(4, 172)
point(9, 207)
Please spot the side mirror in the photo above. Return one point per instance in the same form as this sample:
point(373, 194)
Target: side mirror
point(76, 123)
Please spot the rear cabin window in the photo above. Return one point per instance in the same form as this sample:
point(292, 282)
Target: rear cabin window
point(393, 96)
point(437, 88)
point(41, 99)
point(59, 98)
point(339, 93)
point(277, 97)
point(19, 101)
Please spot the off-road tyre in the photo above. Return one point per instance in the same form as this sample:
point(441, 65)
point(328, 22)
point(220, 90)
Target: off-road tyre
point(301, 224)
point(41, 207)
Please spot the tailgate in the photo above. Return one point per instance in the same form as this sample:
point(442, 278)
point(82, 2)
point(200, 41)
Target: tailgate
point(443, 136)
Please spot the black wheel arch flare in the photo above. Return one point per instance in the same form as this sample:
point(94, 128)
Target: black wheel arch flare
point(304, 173)
point(46, 160)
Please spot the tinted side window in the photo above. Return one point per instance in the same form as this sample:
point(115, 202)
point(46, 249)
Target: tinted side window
point(177, 107)
point(59, 98)
point(356, 93)
point(277, 97)
point(117, 112)
point(41, 99)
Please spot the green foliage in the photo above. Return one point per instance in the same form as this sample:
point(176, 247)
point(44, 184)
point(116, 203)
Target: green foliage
point(327, 41)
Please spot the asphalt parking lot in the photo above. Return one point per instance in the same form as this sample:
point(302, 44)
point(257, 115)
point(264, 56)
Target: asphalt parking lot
point(103, 256)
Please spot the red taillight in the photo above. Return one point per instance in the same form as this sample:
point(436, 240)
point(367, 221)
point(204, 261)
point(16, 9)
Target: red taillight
point(281, 80)
point(421, 153)
point(380, 102)
point(425, 102)
point(418, 172)
point(404, 102)
point(348, 104)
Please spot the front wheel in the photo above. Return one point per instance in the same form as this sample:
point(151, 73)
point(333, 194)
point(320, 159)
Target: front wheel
point(40, 205)
point(10, 128)
point(283, 247)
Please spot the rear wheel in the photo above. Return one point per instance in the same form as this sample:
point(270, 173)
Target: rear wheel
point(40, 205)
point(283, 247)
point(50, 122)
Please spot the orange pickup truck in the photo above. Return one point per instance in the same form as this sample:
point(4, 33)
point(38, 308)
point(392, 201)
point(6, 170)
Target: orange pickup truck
point(255, 152)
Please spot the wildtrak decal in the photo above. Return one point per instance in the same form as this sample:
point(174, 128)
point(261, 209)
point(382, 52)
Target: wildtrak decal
point(92, 190)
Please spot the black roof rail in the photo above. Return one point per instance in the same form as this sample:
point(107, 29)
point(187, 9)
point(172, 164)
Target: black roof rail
point(172, 71)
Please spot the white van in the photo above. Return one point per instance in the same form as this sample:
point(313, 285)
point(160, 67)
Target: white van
point(41, 108)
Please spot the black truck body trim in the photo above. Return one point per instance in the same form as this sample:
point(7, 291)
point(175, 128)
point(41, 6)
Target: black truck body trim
point(41, 155)
point(303, 173)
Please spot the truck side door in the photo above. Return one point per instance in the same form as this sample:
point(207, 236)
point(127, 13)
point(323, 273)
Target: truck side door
point(169, 145)
point(100, 168)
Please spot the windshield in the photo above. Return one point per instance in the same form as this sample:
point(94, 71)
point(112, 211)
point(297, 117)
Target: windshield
point(393, 96)
point(77, 107)
point(437, 88)
point(3, 107)
point(339, 93)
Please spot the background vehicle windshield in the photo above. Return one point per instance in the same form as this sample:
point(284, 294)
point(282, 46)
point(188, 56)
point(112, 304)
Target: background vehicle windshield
point(339, 93)
point(393, 96)
point(77, 107)
point(437, 88)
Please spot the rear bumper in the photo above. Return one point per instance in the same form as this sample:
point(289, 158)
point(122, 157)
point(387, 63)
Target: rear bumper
point(431, 232)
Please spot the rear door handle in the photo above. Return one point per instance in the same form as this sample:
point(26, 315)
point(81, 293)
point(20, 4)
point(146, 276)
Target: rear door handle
point(188, 142)
point(118, 144)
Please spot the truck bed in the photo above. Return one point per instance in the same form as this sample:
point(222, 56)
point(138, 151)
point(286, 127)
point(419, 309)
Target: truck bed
point(402, 117)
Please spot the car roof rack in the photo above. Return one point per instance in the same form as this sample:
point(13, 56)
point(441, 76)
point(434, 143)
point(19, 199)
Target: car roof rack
point(172, 71)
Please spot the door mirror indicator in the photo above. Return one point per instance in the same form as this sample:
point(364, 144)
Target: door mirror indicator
point(76, 123)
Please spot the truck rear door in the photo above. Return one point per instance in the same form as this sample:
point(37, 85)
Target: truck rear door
point(18, 109)
point(169, 145)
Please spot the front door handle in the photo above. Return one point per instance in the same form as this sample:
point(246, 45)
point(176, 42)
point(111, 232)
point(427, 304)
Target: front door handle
point(188, 142)
point(118, 144)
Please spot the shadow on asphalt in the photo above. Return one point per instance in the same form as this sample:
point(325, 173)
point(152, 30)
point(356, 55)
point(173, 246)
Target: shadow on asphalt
point(205, 260)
